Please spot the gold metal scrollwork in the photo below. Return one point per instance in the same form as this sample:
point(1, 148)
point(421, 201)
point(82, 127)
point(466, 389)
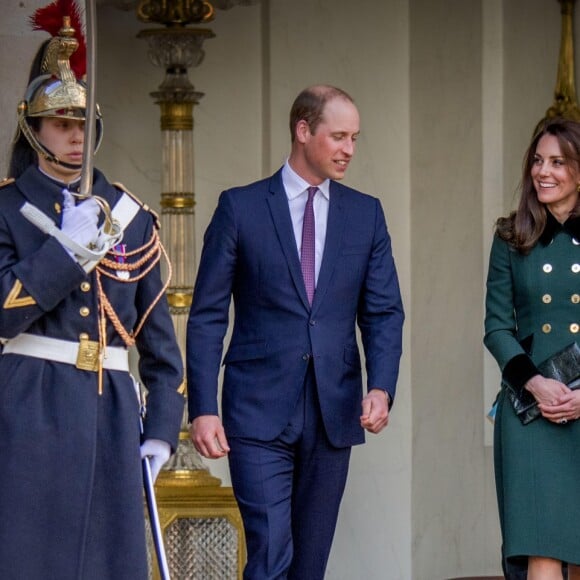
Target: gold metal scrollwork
point(175, 12)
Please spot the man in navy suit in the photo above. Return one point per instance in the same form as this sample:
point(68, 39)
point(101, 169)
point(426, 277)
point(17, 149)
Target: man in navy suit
point(292, 401)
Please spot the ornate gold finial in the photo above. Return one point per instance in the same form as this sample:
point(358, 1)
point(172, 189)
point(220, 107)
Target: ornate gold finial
point(565, 103)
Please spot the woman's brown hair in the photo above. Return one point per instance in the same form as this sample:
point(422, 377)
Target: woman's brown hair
point(524, 226)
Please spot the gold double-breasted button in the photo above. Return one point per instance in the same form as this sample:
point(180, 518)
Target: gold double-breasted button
point(574, 327)
point(575, 298)
point(546, 299)
point(547, 268)
point(85, 286)
point(84, 311)
point(575, 268)
point(57, 207)
point(546, 328)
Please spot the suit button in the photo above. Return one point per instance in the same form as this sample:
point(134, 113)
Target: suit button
point(85, 286)
point(575, 298)
point(547, 268)
point(305, 356)
point(546, 299)
point(575, 268)
point(546, 328)
point(574, 328)
point(84, 311)
point(312, 323)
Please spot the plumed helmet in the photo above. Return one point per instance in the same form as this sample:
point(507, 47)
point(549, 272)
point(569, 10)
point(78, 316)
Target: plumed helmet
point(58, 91)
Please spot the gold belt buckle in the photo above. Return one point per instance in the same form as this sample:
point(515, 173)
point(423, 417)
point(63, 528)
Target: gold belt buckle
point(88, 356)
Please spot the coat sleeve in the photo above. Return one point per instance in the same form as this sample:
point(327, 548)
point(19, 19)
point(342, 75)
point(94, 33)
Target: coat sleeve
point(34, 284)
point(160, 361)
point(209, 314)
point(501, 335)
point(380, 311)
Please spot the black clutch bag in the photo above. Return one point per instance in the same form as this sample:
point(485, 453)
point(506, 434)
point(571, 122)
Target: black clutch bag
point(564, 366)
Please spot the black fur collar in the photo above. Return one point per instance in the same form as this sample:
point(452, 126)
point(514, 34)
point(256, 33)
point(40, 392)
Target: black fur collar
point(553, 226)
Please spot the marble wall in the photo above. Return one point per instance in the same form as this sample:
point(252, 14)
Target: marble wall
point(449, 92)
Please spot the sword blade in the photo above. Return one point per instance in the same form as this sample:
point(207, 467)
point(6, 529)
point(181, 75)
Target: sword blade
point(154, 520)
point(90, 114)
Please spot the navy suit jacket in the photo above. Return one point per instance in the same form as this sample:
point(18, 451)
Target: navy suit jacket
point(250, 253)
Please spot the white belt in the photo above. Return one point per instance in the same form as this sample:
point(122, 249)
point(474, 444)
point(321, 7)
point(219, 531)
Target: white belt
point(83, 354)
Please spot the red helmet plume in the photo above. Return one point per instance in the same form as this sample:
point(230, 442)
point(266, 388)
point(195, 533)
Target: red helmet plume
point(50, 19)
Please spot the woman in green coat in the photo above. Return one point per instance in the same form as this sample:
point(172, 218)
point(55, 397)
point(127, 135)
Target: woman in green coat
point(533, 312)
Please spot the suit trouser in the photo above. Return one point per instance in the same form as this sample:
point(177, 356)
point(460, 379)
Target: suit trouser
point(289, 492)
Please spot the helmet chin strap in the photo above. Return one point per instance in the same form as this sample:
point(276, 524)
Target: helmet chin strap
point(51, 158)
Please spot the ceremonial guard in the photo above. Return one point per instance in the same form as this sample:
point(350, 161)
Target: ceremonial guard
point(80, 284)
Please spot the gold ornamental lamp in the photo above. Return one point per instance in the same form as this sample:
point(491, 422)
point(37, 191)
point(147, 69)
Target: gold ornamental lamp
point(201, 524)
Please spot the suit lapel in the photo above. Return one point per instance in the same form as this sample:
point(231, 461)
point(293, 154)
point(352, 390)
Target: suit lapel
point(278, 203)
point(332, 245)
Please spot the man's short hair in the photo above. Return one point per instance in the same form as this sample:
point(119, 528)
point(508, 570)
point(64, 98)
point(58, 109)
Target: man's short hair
point(309, 106)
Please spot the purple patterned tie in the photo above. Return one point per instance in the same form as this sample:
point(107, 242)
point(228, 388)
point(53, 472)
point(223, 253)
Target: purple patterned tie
point(307, 253)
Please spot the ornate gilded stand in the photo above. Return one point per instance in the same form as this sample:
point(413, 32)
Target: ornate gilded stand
point(200, 520)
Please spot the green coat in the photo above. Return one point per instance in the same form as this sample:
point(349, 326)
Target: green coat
point(532, 312)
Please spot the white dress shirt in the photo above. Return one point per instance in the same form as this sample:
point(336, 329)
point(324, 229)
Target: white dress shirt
point(296, 191)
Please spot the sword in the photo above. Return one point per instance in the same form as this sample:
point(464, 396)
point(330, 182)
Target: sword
point(154, 520)
point(111, 226)
point(150, 499)
point(90, 113)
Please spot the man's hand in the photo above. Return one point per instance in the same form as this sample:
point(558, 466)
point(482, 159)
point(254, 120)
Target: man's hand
point(375, 411)
point(208, 436)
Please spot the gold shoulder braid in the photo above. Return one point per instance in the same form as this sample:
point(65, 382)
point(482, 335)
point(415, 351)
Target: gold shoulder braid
point(144, 258)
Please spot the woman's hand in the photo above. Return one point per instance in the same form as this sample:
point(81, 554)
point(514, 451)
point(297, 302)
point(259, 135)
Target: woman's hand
point(556, 401)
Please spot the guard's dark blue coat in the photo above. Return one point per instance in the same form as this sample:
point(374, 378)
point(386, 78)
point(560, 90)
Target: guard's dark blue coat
point(71, 499)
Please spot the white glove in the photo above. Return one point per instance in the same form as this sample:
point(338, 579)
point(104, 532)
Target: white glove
point(158, 452)
point(79, 222)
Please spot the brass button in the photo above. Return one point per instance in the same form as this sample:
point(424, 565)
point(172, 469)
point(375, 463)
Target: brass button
point(574, 327)
point(575, 298)
point(546, 299)
point(84, 311)
point(57, 207)
point(83, 336)
point(546, 328)
point(575, 242)
point(85, 286)
point(547, 268)
point(575, 268)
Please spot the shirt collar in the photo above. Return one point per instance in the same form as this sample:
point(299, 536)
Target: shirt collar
point(295, 185)
point(553, 226)
point(73, 186)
